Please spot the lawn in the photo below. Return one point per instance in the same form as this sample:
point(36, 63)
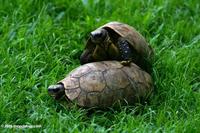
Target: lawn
point(41, 41)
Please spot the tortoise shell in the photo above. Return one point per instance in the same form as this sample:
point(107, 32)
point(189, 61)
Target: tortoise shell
point(142, 53)
point(136, 40)
point(101, 84)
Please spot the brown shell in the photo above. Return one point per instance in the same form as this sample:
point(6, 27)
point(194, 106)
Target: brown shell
point(101, 84)
point(133, 36)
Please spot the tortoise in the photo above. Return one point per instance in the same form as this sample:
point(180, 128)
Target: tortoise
point(102, 84)
point(117, 41)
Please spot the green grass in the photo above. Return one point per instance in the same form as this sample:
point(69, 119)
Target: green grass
point(40, 42)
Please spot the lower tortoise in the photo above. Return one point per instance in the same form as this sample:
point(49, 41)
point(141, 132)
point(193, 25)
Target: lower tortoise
point(101, 84)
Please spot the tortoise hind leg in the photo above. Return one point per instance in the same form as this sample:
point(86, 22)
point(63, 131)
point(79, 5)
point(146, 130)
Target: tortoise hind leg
point(56, 91)
point(125, 50)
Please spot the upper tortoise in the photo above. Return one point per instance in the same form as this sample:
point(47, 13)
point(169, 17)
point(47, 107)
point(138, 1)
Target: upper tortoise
point(101, 84)
point(118, 41)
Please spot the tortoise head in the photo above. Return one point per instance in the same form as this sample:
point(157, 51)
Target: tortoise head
point(95, 47)
point(56, 91)
point(99, 47)
point(98, 36)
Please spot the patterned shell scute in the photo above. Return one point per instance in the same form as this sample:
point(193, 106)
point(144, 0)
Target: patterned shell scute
point(72, 93)
point(107, 97)
point(78, 72)
point(70, 82)
point(71, 86)
point(116, 79)
point(140, 79)
point(93, 99)
point(97, 66)
point(134, 74)
point(95, 82)
point(104, 65)
point(112, 64)
point(82, 99)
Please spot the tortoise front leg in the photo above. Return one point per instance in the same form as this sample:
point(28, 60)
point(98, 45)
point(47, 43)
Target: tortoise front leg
point(125, 51)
